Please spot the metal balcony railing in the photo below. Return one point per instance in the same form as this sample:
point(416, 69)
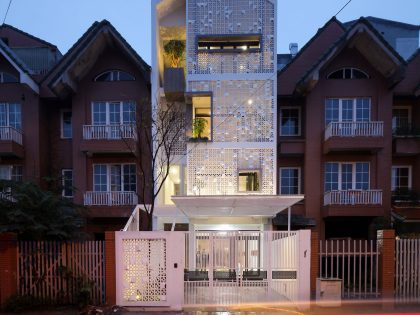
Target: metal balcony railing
point(355, 129)
point(110, 198)
point(11, 134)
point(353, 197)
point(109, 132)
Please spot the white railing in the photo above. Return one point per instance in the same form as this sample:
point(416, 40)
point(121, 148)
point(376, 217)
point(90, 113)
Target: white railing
point(354, 262)
point(407, 270)
point(11, 133)
point(133, 223)
point(110, 198)
point(355, 129)
point(353, 197)
point(109, 132)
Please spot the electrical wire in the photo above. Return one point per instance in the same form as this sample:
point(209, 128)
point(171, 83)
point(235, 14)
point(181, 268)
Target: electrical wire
point(343, 8)
point(7, 11)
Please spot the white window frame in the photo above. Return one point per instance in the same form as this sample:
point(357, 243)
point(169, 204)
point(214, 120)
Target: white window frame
point(340, 107)
point(409, 108)
point(410, 174)
point(352, 76)
point(299, 178)
point(108, 175)
point(258, 171)
point(63, 182)
point(353, 174)
point(10, 170)
point(62, 123)
point(107, 111)
point(299, 121)
point(8, 114)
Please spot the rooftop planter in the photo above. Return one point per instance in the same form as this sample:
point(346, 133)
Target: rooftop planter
point(174, 77)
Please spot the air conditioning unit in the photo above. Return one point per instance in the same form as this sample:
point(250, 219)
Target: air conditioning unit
point(328, 292)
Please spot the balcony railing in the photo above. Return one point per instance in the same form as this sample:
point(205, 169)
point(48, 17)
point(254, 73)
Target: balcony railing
point(353, 197)
point(110, 198)
point(406, 130)
point(355, 129)
point(11, 134)
point(109, 132)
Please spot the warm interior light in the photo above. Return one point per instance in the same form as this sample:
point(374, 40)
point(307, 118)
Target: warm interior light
point(250, 101)
point(244, 47)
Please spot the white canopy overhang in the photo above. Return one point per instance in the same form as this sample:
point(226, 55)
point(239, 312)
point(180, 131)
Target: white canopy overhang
point(234, 205)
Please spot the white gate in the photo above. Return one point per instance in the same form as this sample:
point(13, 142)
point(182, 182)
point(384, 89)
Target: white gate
point(407, 273)
point(149, 268)
point(232, 267)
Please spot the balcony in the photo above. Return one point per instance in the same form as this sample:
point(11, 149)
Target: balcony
point(353, 203)
point(110, 198)
point(11, 142)
point(406, 141)
point(109, 139)
point(354, 136)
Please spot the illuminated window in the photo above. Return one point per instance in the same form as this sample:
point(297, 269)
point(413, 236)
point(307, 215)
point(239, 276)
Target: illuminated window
point(174, 183)
point(229, 43)
point(202, 122)
point(249, 181)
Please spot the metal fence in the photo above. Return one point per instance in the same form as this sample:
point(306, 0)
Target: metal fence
point(407, 270)
point(355, 262)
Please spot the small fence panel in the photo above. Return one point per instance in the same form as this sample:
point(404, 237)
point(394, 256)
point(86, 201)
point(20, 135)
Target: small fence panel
point(59, 272)
point(355, 262)
point(407, 273)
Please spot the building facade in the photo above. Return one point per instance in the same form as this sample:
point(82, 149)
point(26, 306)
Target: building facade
point(73, 118)
point(345, 110)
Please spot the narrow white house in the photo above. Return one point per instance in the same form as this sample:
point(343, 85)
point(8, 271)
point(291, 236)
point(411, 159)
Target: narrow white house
point(225, 178)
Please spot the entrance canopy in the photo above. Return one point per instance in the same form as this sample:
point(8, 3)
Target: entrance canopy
point(234, 205)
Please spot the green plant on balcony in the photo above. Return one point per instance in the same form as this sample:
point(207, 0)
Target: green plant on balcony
point(174, 49)
point(198, 126)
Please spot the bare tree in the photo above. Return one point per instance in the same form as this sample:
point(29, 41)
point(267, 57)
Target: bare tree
point(160, 133)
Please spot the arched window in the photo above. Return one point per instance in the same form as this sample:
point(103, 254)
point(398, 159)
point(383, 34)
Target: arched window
point(348, 73)
point(8, 78)
point(114, 75)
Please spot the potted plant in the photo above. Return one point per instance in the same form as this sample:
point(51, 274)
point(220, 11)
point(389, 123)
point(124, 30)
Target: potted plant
point(174, 49)
point(198, 126)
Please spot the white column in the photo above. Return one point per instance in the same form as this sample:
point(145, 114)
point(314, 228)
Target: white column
point(304, 269)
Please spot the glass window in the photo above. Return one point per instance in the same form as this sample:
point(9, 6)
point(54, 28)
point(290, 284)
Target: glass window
point(115, 174)
point(129, 112)
point(173, 182)
point(347, 110)
point(201, 124)
point(227, 43)
point(114, 75)
point(290, 121)
point(11, 115)
point(67, 182)
point(346, 176)
point(8, 78)
point(100, 177)
point(11, 172)
point(66, 125)
point(99, 113)
point(401, 119)
point(289, 181)
point(348, 73)
point(113, 113)
point(129, 177)
point(249, 181)
point(401, 178)
point(332, 108)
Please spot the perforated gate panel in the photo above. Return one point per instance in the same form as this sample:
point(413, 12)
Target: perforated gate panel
point(144, 275)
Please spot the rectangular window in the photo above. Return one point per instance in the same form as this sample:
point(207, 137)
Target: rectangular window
point(114, 177)
point(401, 119)
point(66, 125)
point(173, 184)
point(289, 181)
point(289, 121)
point(67, 182)
point(11, 115)
point(346, 176)
point(229, 43)
point(347, 110)
point(249, 181)
point(11, 172)
point(401, 178)
point(201, 124)
point(113, 113)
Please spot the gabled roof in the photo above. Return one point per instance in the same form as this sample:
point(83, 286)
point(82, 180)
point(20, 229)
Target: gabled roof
point(20, 66)
point(89, 45)
point(374, 19)
point(411, 83)
point(40, 40)
point(372, 45)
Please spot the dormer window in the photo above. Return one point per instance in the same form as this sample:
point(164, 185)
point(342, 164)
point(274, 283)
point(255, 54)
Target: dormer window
point(348, 73)
point(8, 78)
point(114, 75)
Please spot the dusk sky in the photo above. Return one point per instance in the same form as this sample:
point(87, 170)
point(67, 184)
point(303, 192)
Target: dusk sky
point(62, 22)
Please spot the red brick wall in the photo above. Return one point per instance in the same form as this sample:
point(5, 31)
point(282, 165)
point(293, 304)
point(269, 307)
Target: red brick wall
point(386, 247)
point(8, 266)
point(314, 260)
point(110, 277)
